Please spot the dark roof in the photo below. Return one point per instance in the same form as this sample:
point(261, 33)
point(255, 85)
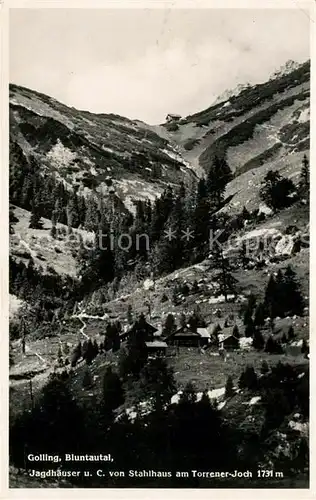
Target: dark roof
point(186, 334)
point(144, 326)
point(204, 332)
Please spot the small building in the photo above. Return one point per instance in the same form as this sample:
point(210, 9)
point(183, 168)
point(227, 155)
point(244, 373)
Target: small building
point(156, 348)
point(172, 117)
point(186, 337)
point(205, 334)
point(143, 328)
point(227, 340)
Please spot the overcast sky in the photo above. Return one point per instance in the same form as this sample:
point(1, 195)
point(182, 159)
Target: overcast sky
point(147, 63)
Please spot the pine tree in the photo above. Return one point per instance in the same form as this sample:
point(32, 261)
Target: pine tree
point(182, 190)
point(250, 329)
point(12, 219)
point(277, 191)
point(272, 346)
point(189, 394)
point(99, 268)
point(76, 355)
point(243, 254)
point(11, 356)
point(281, 294)
point(201, 215)
point(195, 287)
point(116, 341)
point(196, 320)
point(157, 382)
point(66, 349)
point(225, 278)
point(258, 340)
point(218, 177)
point(183, 320)
point(264, 367)
point(134, 360)
point(72, 211)
point(270, 299)
point(35, 219)
point(217, 330)
point(272, 325)
point(169, 326)
point(23, 333)
point(60, 356)
point(290, 333)
point(304, 176)
point(53, 231)
point(91, 216)
point(113, 394)
point(245, 213)
point(304, 348)
point(294, 303)
point(229, 388)
point(248, 379)
point(95, 348)
point(247, 316)
point(236, 333)
point(252, 303)
point(178, 221)
point(87, 379)
point(130, 314)
point(56, 419)
point(57, 210)
point(259, 315)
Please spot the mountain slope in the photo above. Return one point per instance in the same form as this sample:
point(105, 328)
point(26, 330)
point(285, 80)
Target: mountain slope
point(84, 149)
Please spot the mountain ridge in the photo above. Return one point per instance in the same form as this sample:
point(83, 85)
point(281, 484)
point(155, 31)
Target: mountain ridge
point(81, 148)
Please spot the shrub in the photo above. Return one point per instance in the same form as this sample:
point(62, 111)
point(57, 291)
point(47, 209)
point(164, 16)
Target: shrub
point(229, 388)
point(276, 191)
point(172, 127)
point(189, 144)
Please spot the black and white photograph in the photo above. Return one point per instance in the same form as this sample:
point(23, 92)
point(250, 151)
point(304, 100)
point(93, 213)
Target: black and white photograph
point(159, 233)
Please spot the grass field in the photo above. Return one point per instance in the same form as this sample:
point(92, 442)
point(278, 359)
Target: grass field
point(207, 371)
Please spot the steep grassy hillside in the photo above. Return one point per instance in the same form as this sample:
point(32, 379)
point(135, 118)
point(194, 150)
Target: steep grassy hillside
point(259, 127)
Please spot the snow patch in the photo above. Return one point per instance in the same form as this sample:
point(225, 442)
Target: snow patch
point(213, 394)
point(285, 245)
point(14, 305)
point(304, 116)
point(262, 233)
point(60, 156)
point(300, 427)
point(254, 400)
point(245, 343)
point(221, 405)
point(264, 209)
point(220, 299)
point(148, 284)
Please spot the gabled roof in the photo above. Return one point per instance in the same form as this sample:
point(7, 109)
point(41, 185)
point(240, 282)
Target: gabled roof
point(204, 332)
point(158, 332)
point(211, 327)
point(147, 326)
point(186, 334)
point(226, 335)
point(182, 329)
